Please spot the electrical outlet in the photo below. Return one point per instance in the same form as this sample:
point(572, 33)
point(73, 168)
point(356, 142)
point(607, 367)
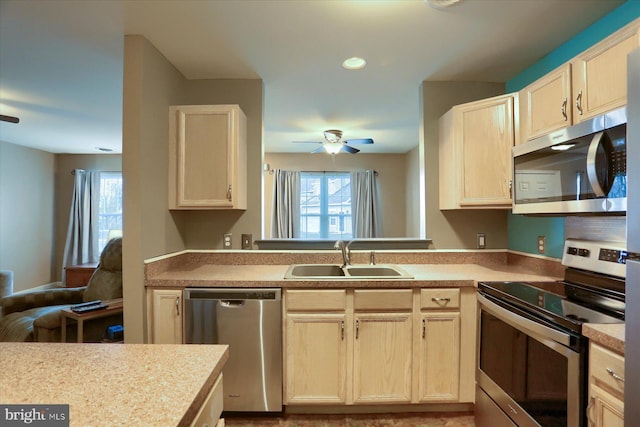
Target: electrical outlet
point(226, 242)
point(542, 244)
point(481, 241)
point(246, 241)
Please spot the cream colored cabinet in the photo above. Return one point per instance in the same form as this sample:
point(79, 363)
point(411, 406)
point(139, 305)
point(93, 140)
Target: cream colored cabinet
point(165, 319)
point(475, 154)
point(315, 346)
point(606, 388)
point(545, 105)
point(209, 413)
point(207, 157)
point(592, 83)
point(383, 344)
point(599, 75)
point(439, 338)
point(379, 346)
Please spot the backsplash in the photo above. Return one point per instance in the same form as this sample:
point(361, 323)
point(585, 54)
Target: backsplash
point(603, 228)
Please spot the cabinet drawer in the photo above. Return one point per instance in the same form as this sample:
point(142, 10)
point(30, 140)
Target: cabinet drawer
point(383, 299)
point(316, 300)
point(440, 298)
point(604, 364)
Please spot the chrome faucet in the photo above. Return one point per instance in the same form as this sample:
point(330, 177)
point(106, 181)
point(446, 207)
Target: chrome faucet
point(346, 252)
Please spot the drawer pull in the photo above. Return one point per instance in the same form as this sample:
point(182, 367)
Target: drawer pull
point(563, 110)
point(342, 330)
point(614, 375)
point(424, 328)
point(441, 300)
point(357, 329)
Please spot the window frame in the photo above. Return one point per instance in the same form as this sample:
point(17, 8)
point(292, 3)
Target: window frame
point(324, 216)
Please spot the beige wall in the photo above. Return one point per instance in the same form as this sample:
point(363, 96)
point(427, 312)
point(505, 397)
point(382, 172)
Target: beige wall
point(27, 206)
point(455, 229)
point(65, 163)
point(412, 193)
point(391, 181)
point(151, 85)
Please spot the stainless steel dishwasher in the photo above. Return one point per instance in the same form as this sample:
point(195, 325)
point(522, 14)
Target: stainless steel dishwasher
point(249, 321)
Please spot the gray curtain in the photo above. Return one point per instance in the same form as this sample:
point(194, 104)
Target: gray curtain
point(365, 205)
point(285, 221)
point(82, 234)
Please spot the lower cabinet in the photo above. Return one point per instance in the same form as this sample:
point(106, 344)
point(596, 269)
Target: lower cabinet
point(382, 346)
point(606, 388)
point(164, 322)
point(211, 409)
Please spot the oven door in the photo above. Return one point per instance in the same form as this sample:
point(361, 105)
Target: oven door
point(533, 372)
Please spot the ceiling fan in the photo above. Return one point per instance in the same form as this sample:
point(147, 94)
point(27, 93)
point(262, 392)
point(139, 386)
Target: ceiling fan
point(333, 143)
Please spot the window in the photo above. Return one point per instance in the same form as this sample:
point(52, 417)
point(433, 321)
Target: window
point(325, 205)
point(110, 207)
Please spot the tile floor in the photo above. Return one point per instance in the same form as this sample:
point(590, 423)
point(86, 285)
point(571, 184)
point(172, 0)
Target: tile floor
point(369, 420)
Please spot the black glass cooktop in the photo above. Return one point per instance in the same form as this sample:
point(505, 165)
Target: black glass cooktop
point(557, 302)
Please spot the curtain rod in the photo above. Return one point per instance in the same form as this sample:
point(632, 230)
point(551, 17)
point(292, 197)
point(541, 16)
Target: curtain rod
point(375, 172)
point(73, 171)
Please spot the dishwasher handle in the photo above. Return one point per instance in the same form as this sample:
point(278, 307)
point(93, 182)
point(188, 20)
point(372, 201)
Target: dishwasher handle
point(232, 303)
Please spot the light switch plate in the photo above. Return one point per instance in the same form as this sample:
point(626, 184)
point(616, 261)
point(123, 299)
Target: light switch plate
point(246, 241)
point(481, 241)
point(226, 242)
point(542, 244)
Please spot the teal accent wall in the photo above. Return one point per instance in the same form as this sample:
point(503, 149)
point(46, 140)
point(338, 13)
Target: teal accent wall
point(523, 231)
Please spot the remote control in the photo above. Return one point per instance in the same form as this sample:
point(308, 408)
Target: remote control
point(89, 308)
point(86, 304)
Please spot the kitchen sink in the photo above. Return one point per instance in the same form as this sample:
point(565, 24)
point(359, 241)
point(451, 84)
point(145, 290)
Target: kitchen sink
point(332, 271)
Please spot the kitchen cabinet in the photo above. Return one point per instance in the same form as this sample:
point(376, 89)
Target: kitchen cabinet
point(165, 319)
point(475, 145)
point(606, 387)
point(379, 346)
point(439, 338)
point(315, 346)
point(383, 346)
point(209, 413)
point(207, 157)
point(592, 83)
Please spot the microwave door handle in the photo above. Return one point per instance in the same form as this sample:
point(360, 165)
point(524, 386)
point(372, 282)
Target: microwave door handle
point(592, 172)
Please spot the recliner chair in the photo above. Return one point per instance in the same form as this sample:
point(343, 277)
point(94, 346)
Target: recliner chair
point(35, 316)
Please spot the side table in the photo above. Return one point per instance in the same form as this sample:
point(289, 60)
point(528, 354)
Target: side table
point(114, 306)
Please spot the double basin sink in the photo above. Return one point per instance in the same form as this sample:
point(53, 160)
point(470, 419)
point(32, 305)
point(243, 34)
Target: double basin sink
point(333, 271)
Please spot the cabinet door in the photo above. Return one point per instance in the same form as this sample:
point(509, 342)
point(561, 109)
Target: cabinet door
point(604, 409)
point(439, 374)
point(207, 157)
point(382, 357)
point(486, 141)
point(167, 316)
point(545, 105)
point(315, 358)
point(599, 75)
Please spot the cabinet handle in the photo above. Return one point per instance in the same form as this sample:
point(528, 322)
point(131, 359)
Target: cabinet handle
point(229, 193)
point(342, 330)
point(564, 110)
point(614, 375)
point(579, 102)
point(178, 306)
point(510, 188)
point(357, 328)
point(438, 300)
point(590, 406)
point(424, 328)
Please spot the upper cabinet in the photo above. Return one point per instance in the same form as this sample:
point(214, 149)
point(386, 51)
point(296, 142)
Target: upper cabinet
point(475, 154)
point(207, 157)
point(590, 84)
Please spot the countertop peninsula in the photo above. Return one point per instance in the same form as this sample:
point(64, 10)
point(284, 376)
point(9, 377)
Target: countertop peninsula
point(607, 335)
point(112, 384)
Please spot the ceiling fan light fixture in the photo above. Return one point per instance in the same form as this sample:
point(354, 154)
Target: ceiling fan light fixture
point(354, 63)
point(333, 147)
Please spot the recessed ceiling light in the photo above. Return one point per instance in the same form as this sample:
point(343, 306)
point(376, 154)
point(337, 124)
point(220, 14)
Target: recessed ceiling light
point(441, 4)
point(354, 63)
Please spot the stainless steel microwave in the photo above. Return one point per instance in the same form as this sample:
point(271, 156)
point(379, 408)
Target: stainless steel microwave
point(579, 169)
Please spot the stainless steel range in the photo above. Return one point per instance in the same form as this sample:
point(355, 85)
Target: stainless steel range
point(532, 357)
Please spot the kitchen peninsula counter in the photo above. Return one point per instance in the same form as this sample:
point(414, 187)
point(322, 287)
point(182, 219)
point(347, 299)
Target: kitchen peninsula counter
point(267, 269)
point(607, 335)
point(113, 384)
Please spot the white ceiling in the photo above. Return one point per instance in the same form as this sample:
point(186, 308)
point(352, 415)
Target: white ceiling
point(61, 61)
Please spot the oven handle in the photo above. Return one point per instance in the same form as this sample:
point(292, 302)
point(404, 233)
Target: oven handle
point(520, 322)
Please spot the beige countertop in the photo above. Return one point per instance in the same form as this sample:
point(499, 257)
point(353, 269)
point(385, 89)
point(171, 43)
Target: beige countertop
point(607, 335)
point(425, 275)
point(112, 384)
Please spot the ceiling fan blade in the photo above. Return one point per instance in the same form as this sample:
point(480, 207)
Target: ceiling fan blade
point(359, 141)
point(307, 142)
point(10, 119)
point(319, 150)
point(349, 150)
